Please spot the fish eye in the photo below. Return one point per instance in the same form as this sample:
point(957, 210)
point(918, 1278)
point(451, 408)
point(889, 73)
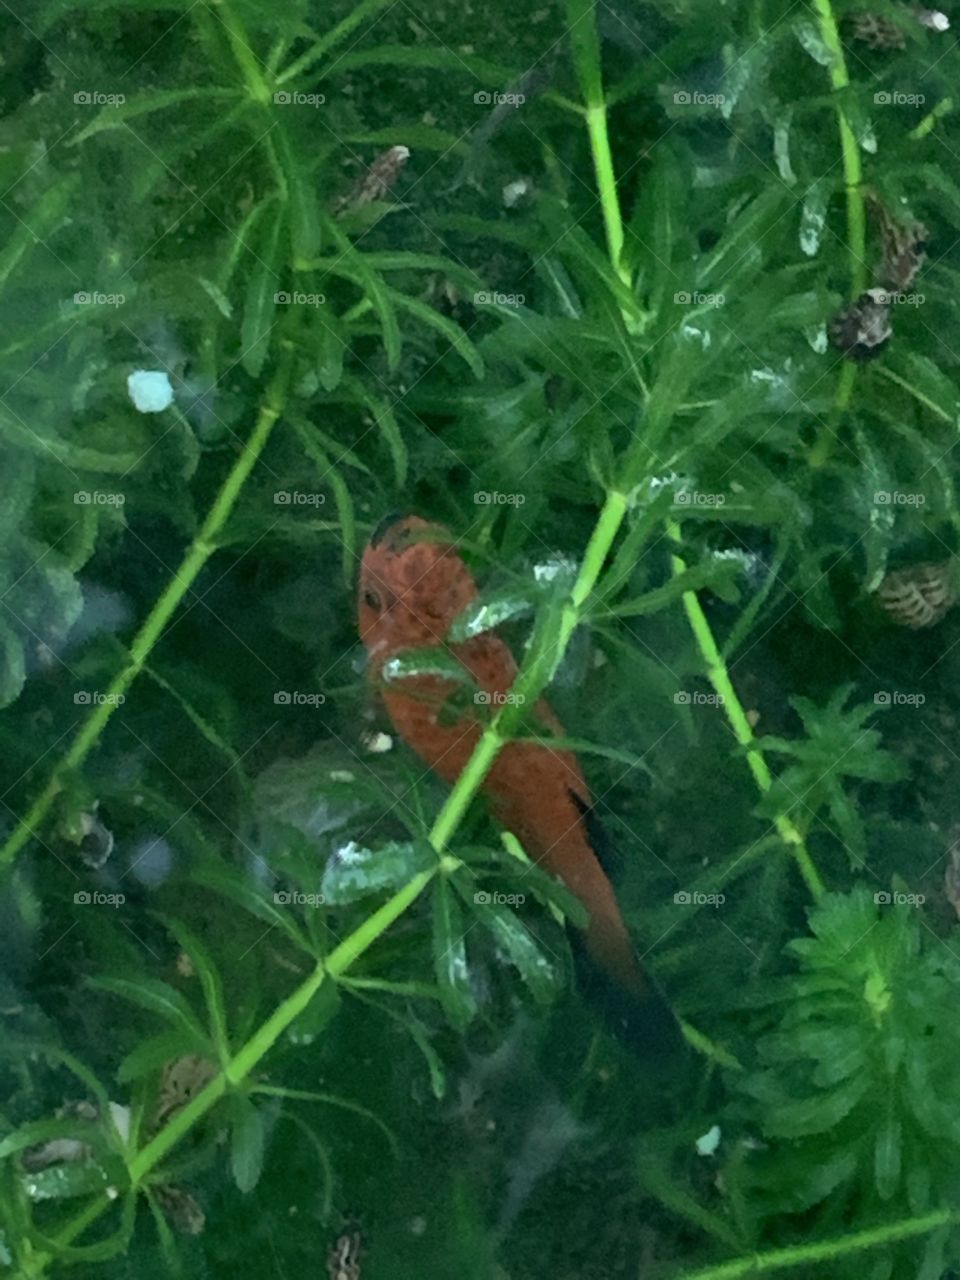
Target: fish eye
point(371, 599)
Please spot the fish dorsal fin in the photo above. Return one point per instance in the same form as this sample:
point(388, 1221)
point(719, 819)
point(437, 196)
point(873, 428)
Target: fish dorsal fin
point(597, 834)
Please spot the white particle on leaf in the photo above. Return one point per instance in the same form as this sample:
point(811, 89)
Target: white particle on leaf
point(693, 332)
point(514, 192)
point(350, 852)
point(550, 570)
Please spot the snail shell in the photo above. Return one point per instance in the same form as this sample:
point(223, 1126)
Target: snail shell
point(917, 596)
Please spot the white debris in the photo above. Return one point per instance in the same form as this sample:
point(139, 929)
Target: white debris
point(707, 1145)
point(150, 390)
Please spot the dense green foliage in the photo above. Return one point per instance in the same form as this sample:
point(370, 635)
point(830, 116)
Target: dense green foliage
point(269, 986)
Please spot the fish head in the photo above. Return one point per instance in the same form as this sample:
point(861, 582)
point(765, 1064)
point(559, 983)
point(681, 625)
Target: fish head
point(413, 584)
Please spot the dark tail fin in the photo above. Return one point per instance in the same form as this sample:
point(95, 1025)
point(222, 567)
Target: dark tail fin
point(647, 1025)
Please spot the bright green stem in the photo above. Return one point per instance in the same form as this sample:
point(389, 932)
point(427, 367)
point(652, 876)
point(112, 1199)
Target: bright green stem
point(541, 660)
point(852, 172)
point(586, 57)
point(719, 677)
point(943, 108)
point(242, 1064)
point(827, 435)
point(200, 551)
point(824, 1250)
point(607, 186)
point(856, 224)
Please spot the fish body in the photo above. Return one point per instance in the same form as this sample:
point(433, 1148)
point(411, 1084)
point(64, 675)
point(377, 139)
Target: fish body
point(413, 584)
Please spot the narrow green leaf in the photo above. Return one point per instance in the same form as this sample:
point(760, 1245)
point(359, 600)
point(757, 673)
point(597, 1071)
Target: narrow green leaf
point(718, 575)
point(332, 476)
point(490, 611)
point(39, 223)
point(533, 965)
point(194, 716)
point(75, 457)
point(491, 74)
point(35, 1132)
point(921, 378)
point(429, 661)
point(811, 40)
point(217, 296)
point(331, 348)
point(781, 146)
point(444, 326)
point(655, 231)
point(390, 430)
point(305, 234)
point(152, 1054)
point(13, 672)
point(260, 306)
point(206, 970)
point(114, 117)
point(66, 1181)
point(243, 241)
point(353, 872)
point(226, 881)
point(886, 1158)
point(582, 32)
point(379, 295)
point(247, 1140)
point(160, 998)
point(450, 956)
point(739, 250)
point(813, 217)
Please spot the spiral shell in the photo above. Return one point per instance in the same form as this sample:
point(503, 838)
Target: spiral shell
point(862, 330)
point(917, 596)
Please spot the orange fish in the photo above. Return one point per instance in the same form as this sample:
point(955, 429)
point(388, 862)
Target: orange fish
point(410, 592)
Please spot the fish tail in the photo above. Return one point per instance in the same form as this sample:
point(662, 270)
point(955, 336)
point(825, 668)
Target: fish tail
point(640, 1016)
